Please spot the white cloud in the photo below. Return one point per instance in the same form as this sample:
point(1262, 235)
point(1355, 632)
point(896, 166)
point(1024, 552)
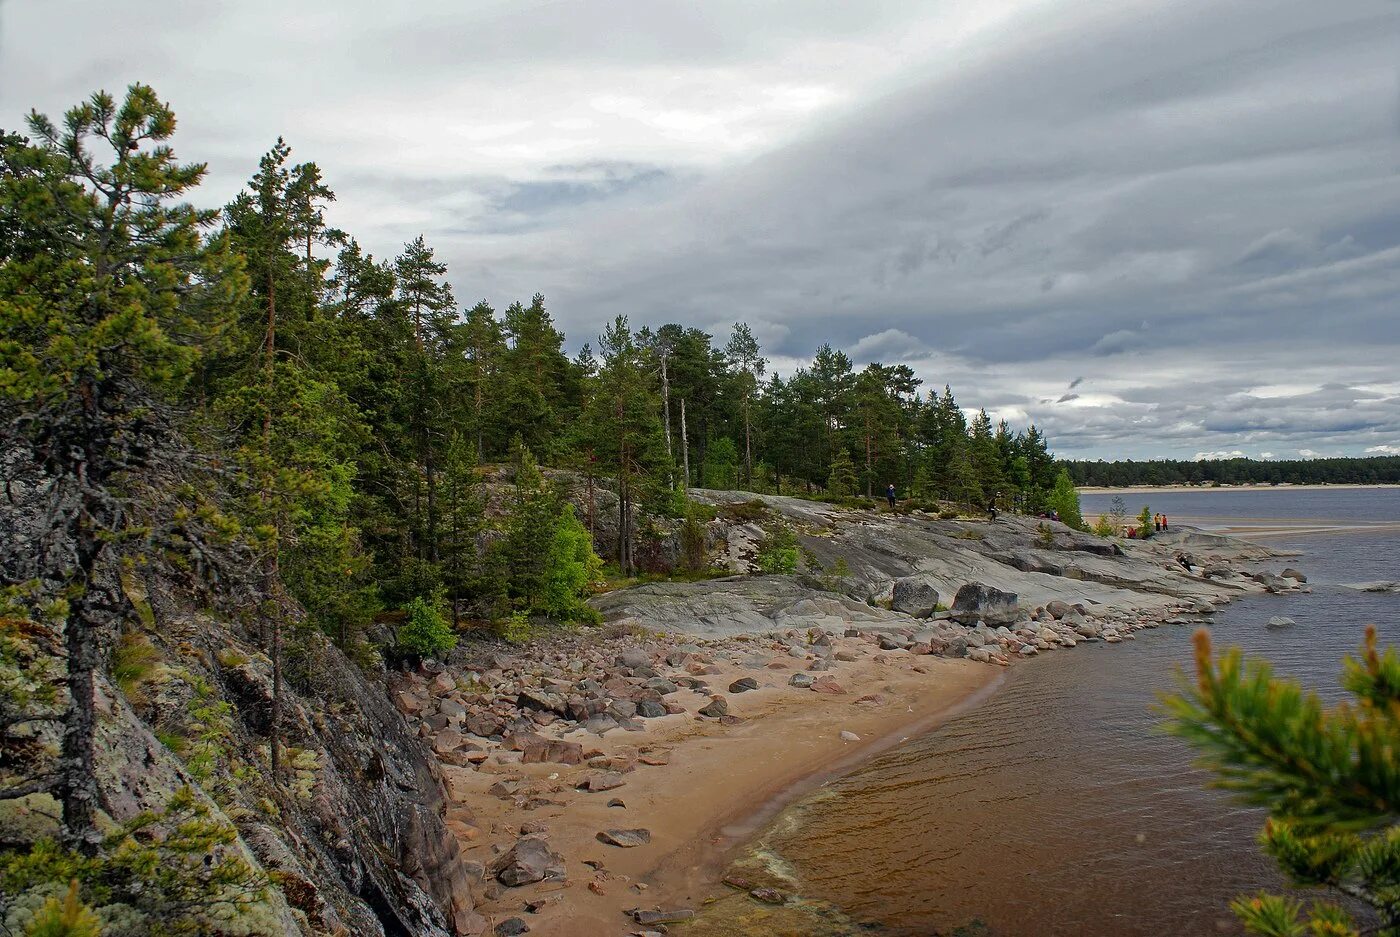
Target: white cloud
point(1383, 450)
point(1219, 454)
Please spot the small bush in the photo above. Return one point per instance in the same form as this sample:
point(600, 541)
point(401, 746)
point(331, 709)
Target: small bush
point(949, 514)
point(693, 540)
point(779, 552)
point(66, 918)
point(1044, 536)
point(426, 633)
point(746, 512)
point(516, 628)
point(1103, 527)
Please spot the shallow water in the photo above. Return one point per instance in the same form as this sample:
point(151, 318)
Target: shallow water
point(1057, 807)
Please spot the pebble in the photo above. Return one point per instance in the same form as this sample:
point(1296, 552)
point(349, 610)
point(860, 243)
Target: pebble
point(849, 736)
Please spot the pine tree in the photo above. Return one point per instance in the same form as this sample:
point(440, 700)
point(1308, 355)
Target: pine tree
point(743, 357)
point(1327, 776)
point(624, 429)
point(105, 278)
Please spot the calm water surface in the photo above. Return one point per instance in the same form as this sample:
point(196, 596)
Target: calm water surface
point(1056, 807)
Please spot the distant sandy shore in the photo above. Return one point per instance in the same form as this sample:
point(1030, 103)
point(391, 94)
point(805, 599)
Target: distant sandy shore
point(1155, 489)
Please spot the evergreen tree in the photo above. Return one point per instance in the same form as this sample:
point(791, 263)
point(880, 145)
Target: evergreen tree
point(1327, 776)
point(624, 429)
point(105, 279)
point(743, 357)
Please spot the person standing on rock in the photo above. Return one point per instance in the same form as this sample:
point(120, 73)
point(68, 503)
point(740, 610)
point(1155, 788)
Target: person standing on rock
point(889, 495)
point(1164, 522)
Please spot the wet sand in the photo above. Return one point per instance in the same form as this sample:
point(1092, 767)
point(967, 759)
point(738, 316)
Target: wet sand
point(718, 784)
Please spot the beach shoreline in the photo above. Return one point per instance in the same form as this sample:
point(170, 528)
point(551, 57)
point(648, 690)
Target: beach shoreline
point(700, 710)
point(710, 788)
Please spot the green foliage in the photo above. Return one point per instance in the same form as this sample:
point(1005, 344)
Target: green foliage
point(1064, 499)
point(1350, 470)
point(1144, 522)
point(570, 569)
point(172, 872)
point(1104, 527)
point(693, 540)
point(516, 628)
point(1327, 776)
point(745, 512)
point(841, 480)
point(778, 553)
point(720, 468)
point(1044, 536)
point(426, 633)
point(66, 918)
point(133, 665)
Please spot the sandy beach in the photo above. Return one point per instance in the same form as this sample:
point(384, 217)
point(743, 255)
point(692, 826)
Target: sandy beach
point(700, 787)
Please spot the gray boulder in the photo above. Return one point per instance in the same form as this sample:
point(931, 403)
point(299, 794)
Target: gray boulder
point(1291, 573)
point(915, 595)
point(529, 860)
point(978, 601)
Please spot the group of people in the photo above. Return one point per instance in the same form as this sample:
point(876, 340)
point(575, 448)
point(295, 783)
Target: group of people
point(1159, 524)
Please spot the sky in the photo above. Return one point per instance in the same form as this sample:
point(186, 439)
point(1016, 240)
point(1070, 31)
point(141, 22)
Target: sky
point(1156, 228)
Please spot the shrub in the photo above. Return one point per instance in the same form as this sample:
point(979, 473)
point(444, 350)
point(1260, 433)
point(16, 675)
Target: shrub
point(693, 540)
point(570, 569)
point(1144, 520)
point(745, 512)
point(426, 633)
point(1104, 527)
point(778, 552)
point(1044, 536)
point(68, 918)
point(516, 628)
point(1064, 500)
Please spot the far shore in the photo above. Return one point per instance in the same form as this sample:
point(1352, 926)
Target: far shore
point(1155, 489)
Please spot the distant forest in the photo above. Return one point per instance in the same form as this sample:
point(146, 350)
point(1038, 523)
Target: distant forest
point(1352, 471)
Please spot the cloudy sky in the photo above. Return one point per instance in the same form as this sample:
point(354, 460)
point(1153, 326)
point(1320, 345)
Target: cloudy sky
point(1154, 227)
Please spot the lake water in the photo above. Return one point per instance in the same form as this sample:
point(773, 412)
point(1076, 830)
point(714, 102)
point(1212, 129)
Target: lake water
point(1056, 806)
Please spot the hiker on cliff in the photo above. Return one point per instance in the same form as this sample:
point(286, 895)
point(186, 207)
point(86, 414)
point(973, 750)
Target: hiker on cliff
point(1164, 522)
point(889, 495)
point(1157, 522)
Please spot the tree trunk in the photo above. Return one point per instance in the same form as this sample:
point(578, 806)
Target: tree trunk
point(480, 436)
point(666, 411)
point(748, 449)
point(868, 468)
point(78, 778)
point(685, 446)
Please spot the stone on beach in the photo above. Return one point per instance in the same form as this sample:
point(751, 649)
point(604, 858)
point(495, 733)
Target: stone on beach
point(915, 595)
point(625, 839)
point(978, 601)
point(717, 707)
point(529, 860)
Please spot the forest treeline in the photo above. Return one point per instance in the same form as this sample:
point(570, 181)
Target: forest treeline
point(357, 396)
point(1372, 470)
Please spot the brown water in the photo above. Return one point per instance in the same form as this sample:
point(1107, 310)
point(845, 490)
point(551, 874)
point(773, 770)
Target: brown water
point(1056, 807)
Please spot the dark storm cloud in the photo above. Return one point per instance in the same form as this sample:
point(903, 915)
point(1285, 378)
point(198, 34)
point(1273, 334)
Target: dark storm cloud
point(1195, 206)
